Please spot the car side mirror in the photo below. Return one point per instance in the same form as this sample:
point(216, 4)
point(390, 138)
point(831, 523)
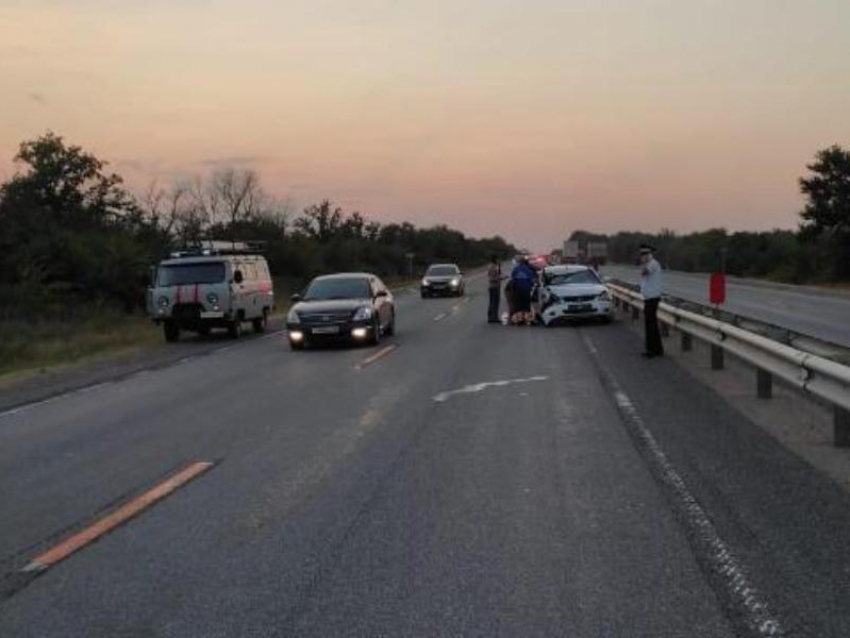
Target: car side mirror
point(382, 293)
point(296, 298)
point(238, 277)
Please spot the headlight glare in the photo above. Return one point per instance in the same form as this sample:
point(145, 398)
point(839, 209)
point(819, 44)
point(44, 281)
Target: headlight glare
point(163, 302)
point(455, 282)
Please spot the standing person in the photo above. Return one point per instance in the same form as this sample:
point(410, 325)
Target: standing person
point(650, 288)
point(494, 280)
point(522, 282)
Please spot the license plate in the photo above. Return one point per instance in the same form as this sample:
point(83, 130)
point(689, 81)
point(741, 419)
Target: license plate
point(581, 307)
point(326, 330)
point(212, 315)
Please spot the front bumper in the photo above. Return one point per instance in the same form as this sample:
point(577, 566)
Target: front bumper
point(566, 310)
point(346, 331)
point(437, 290)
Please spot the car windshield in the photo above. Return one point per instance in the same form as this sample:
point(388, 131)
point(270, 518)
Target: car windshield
point(442, 271)
point(182, 274)
point(577, 277)
point(326, 289)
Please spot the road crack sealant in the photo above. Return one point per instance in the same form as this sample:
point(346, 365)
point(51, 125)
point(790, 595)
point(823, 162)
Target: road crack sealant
point(748, 609)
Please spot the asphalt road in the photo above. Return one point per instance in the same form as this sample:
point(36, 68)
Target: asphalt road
point(817, 315)
point(475, 480)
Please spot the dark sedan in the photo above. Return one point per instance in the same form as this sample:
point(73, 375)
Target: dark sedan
point(354, 307)
point(442, 279)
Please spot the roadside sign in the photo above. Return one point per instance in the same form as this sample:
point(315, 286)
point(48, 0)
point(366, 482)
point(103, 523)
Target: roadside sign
point(717, 289)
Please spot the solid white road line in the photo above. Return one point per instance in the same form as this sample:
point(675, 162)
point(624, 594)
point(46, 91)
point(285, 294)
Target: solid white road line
point(711, 550)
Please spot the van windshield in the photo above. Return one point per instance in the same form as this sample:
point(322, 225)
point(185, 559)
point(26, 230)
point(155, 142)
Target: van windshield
point(182, 274)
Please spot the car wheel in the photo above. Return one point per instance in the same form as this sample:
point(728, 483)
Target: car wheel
point(234, 329)
point(171, 331)
point(259, 324)
point(376, 332)
point(390, 329)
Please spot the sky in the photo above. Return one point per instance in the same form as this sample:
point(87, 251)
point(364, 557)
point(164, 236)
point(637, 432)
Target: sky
point(528, 119)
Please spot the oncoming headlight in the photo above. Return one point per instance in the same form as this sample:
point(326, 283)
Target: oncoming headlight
point(212, 298)
point(293, 317)
point(455, 282)
point(363, 314)
point(163, 302)
point(425, 282)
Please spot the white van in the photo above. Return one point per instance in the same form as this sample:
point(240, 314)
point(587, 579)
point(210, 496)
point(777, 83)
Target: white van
point(218, 285)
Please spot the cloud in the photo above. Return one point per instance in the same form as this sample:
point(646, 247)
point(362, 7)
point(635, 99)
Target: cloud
point(234, 160)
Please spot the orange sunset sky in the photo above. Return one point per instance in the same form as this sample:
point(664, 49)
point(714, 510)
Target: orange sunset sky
point(528, 119)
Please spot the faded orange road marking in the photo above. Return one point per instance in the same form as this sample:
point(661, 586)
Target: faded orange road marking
point(380, 354)
point(123, 514)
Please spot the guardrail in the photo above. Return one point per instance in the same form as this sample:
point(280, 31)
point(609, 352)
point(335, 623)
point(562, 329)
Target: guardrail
point(808, 372)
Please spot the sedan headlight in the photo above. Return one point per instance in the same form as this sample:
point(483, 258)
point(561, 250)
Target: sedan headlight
point(363, 314)
point(293, 317)
point(213, 298)
point(455, 283)
point(604, 296)
point(163, 302)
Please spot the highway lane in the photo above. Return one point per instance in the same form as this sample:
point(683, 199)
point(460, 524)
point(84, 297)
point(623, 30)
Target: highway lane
point(818, 315)
point(475, 480)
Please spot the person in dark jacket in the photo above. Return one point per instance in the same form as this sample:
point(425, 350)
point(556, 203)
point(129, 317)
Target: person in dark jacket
point(523, 277)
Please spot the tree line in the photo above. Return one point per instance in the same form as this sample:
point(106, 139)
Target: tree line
point(818, 251)
point(73, 235)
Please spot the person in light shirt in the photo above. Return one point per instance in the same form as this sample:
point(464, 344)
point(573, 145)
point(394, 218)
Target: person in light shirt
point(650, 288)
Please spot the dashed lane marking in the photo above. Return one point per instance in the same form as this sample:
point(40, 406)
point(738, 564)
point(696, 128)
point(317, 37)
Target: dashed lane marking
point(380, 354)
point(478, 387)
point(440, 316)
point(81, 539)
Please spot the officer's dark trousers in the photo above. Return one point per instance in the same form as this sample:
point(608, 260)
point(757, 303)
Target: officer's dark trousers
point(493, 310)
point(653, 334)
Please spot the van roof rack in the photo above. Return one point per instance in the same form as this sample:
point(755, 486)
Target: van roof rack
point(209, 248)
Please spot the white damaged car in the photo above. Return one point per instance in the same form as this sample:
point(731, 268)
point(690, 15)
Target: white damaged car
point(568, 292)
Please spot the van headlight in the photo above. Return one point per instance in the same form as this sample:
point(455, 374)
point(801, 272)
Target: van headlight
point(212, 298)
point(293, 317)
point(362, 314)
point(455, 283)
point(163, 302)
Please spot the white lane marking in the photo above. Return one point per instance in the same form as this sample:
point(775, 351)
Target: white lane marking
point(478, 387)
point(721, 560)
point(455, 310)
point(440, 316)
point(380, 354)
point(29, 406)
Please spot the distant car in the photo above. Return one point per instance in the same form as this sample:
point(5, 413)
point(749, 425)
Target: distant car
point(443, 279)
point(569, 292)
point(355, 307)
point(213, 285)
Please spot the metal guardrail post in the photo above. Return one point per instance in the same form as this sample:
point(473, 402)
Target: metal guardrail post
point(764, 384)
point(687, 342)
point(717, 358)
point(841, 427)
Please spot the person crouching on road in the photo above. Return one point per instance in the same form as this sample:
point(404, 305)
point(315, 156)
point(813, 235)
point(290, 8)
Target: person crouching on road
point(650, 288)
point(522, 282)
point(494, 280)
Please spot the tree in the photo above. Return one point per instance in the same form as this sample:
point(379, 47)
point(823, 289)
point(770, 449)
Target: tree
point(322, 221)
point(826, 215)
